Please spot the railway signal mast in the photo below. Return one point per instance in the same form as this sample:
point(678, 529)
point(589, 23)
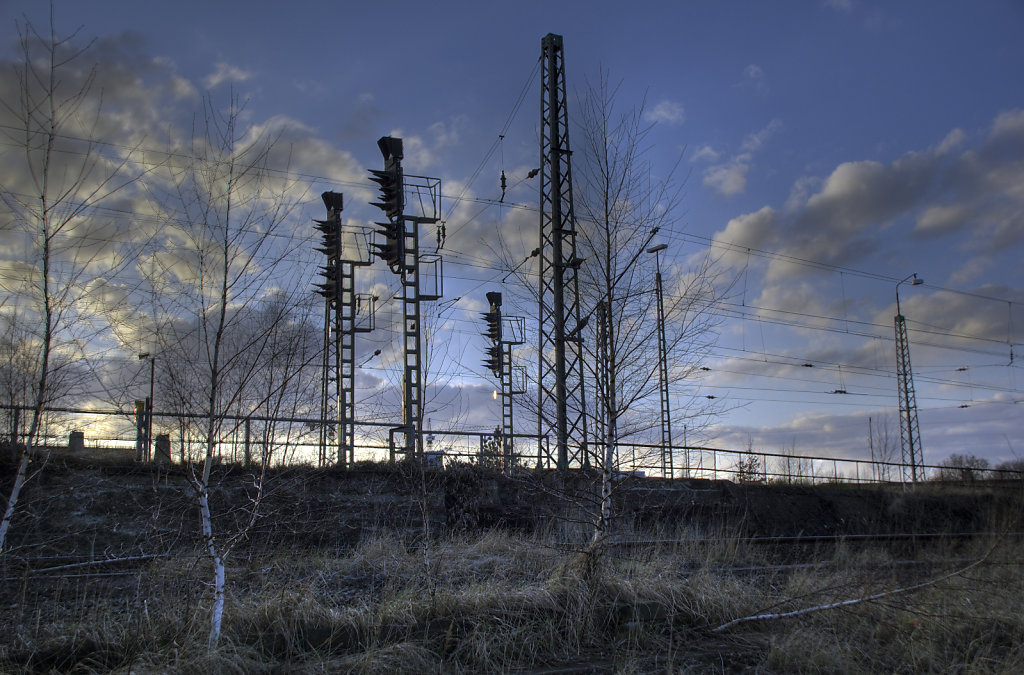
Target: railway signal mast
point(503, 333)
point(398, 246)
point(341, 306)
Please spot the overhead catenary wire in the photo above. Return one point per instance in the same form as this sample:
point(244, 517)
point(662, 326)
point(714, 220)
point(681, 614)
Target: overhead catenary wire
point(761, 319)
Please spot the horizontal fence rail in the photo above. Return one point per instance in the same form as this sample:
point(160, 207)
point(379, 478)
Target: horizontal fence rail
point(295, 441)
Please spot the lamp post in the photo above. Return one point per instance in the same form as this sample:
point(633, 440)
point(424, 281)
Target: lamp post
point(667, 461)
point(910, 433)
point(149, 405)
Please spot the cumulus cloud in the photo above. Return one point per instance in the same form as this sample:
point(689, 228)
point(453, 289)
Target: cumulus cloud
point(750, 231)
point(970, 270)
point(446, 134)
point(1009, 125)
point(425, 151)
point(756, 140)
point(952, 141)
point(705, 152)
point(974, 191)
point(961, 314)
point(941, 219)
point(225, 72)
point(830, 434)
point(802, 189)
point(842, 222)
point(963, 194)
point(729, 178)
point(666, 112)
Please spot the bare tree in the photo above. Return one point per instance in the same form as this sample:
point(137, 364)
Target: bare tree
point(963, 468)
point(224, 293)
point(884, 447)
point(1013, 468)
point(287, 375)
point(792, 466)
point(63, 253)
point(621, 211)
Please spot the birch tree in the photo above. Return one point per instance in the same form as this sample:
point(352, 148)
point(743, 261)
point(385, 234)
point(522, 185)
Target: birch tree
point(229, 254)
point(621, 211)
point(61, 251)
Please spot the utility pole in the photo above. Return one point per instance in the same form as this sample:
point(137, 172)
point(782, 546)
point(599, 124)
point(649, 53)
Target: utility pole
point(561, 401)
point(910, 431)
point(667, 460)
point(145, 444)
point(871, 447)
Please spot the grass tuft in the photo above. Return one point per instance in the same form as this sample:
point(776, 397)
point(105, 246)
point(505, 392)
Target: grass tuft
point(499, 602)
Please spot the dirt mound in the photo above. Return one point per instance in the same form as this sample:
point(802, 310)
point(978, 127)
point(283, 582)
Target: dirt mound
point(77, 505)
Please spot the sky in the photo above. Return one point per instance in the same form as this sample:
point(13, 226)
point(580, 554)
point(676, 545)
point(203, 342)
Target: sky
point(830, 149)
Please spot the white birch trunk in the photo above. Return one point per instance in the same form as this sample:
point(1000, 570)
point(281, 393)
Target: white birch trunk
point(217, 610)
point(12, 499)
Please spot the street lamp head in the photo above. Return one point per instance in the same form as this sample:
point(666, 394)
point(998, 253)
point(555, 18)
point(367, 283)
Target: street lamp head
point(912, 278)
point(659, 247)
point(144, 355)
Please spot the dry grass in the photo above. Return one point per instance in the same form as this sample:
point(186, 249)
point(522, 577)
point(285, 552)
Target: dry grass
point(499, 602)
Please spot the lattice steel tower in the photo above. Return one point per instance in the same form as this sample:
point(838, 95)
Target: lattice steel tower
point(667, 460)
point(561, 403)
point(910, 431)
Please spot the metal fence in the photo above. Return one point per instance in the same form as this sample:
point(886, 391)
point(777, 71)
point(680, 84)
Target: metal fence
point(296, 441)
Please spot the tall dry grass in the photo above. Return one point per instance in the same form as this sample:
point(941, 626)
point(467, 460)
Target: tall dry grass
point(500, 602)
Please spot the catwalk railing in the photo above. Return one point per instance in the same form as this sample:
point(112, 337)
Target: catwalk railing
point(296, 440)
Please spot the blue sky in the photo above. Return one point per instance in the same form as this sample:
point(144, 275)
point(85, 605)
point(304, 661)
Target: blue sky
point(831, 149)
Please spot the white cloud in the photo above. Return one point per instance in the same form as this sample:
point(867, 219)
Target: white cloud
point(962, 314)
point(752, 230)
point(728, 179)
point(446, 134)
point(705, 152)
point(802, 189)
point(1008, 127)
point(941, 219)
point(976, 193)
point(952, 141)
point(756, 140)
point(970, 270)
point(225, 72)
point(667, 112)
point(753, 77)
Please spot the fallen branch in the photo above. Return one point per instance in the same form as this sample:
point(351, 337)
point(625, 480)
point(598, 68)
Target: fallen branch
point(104, 561)
point(853, 601)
